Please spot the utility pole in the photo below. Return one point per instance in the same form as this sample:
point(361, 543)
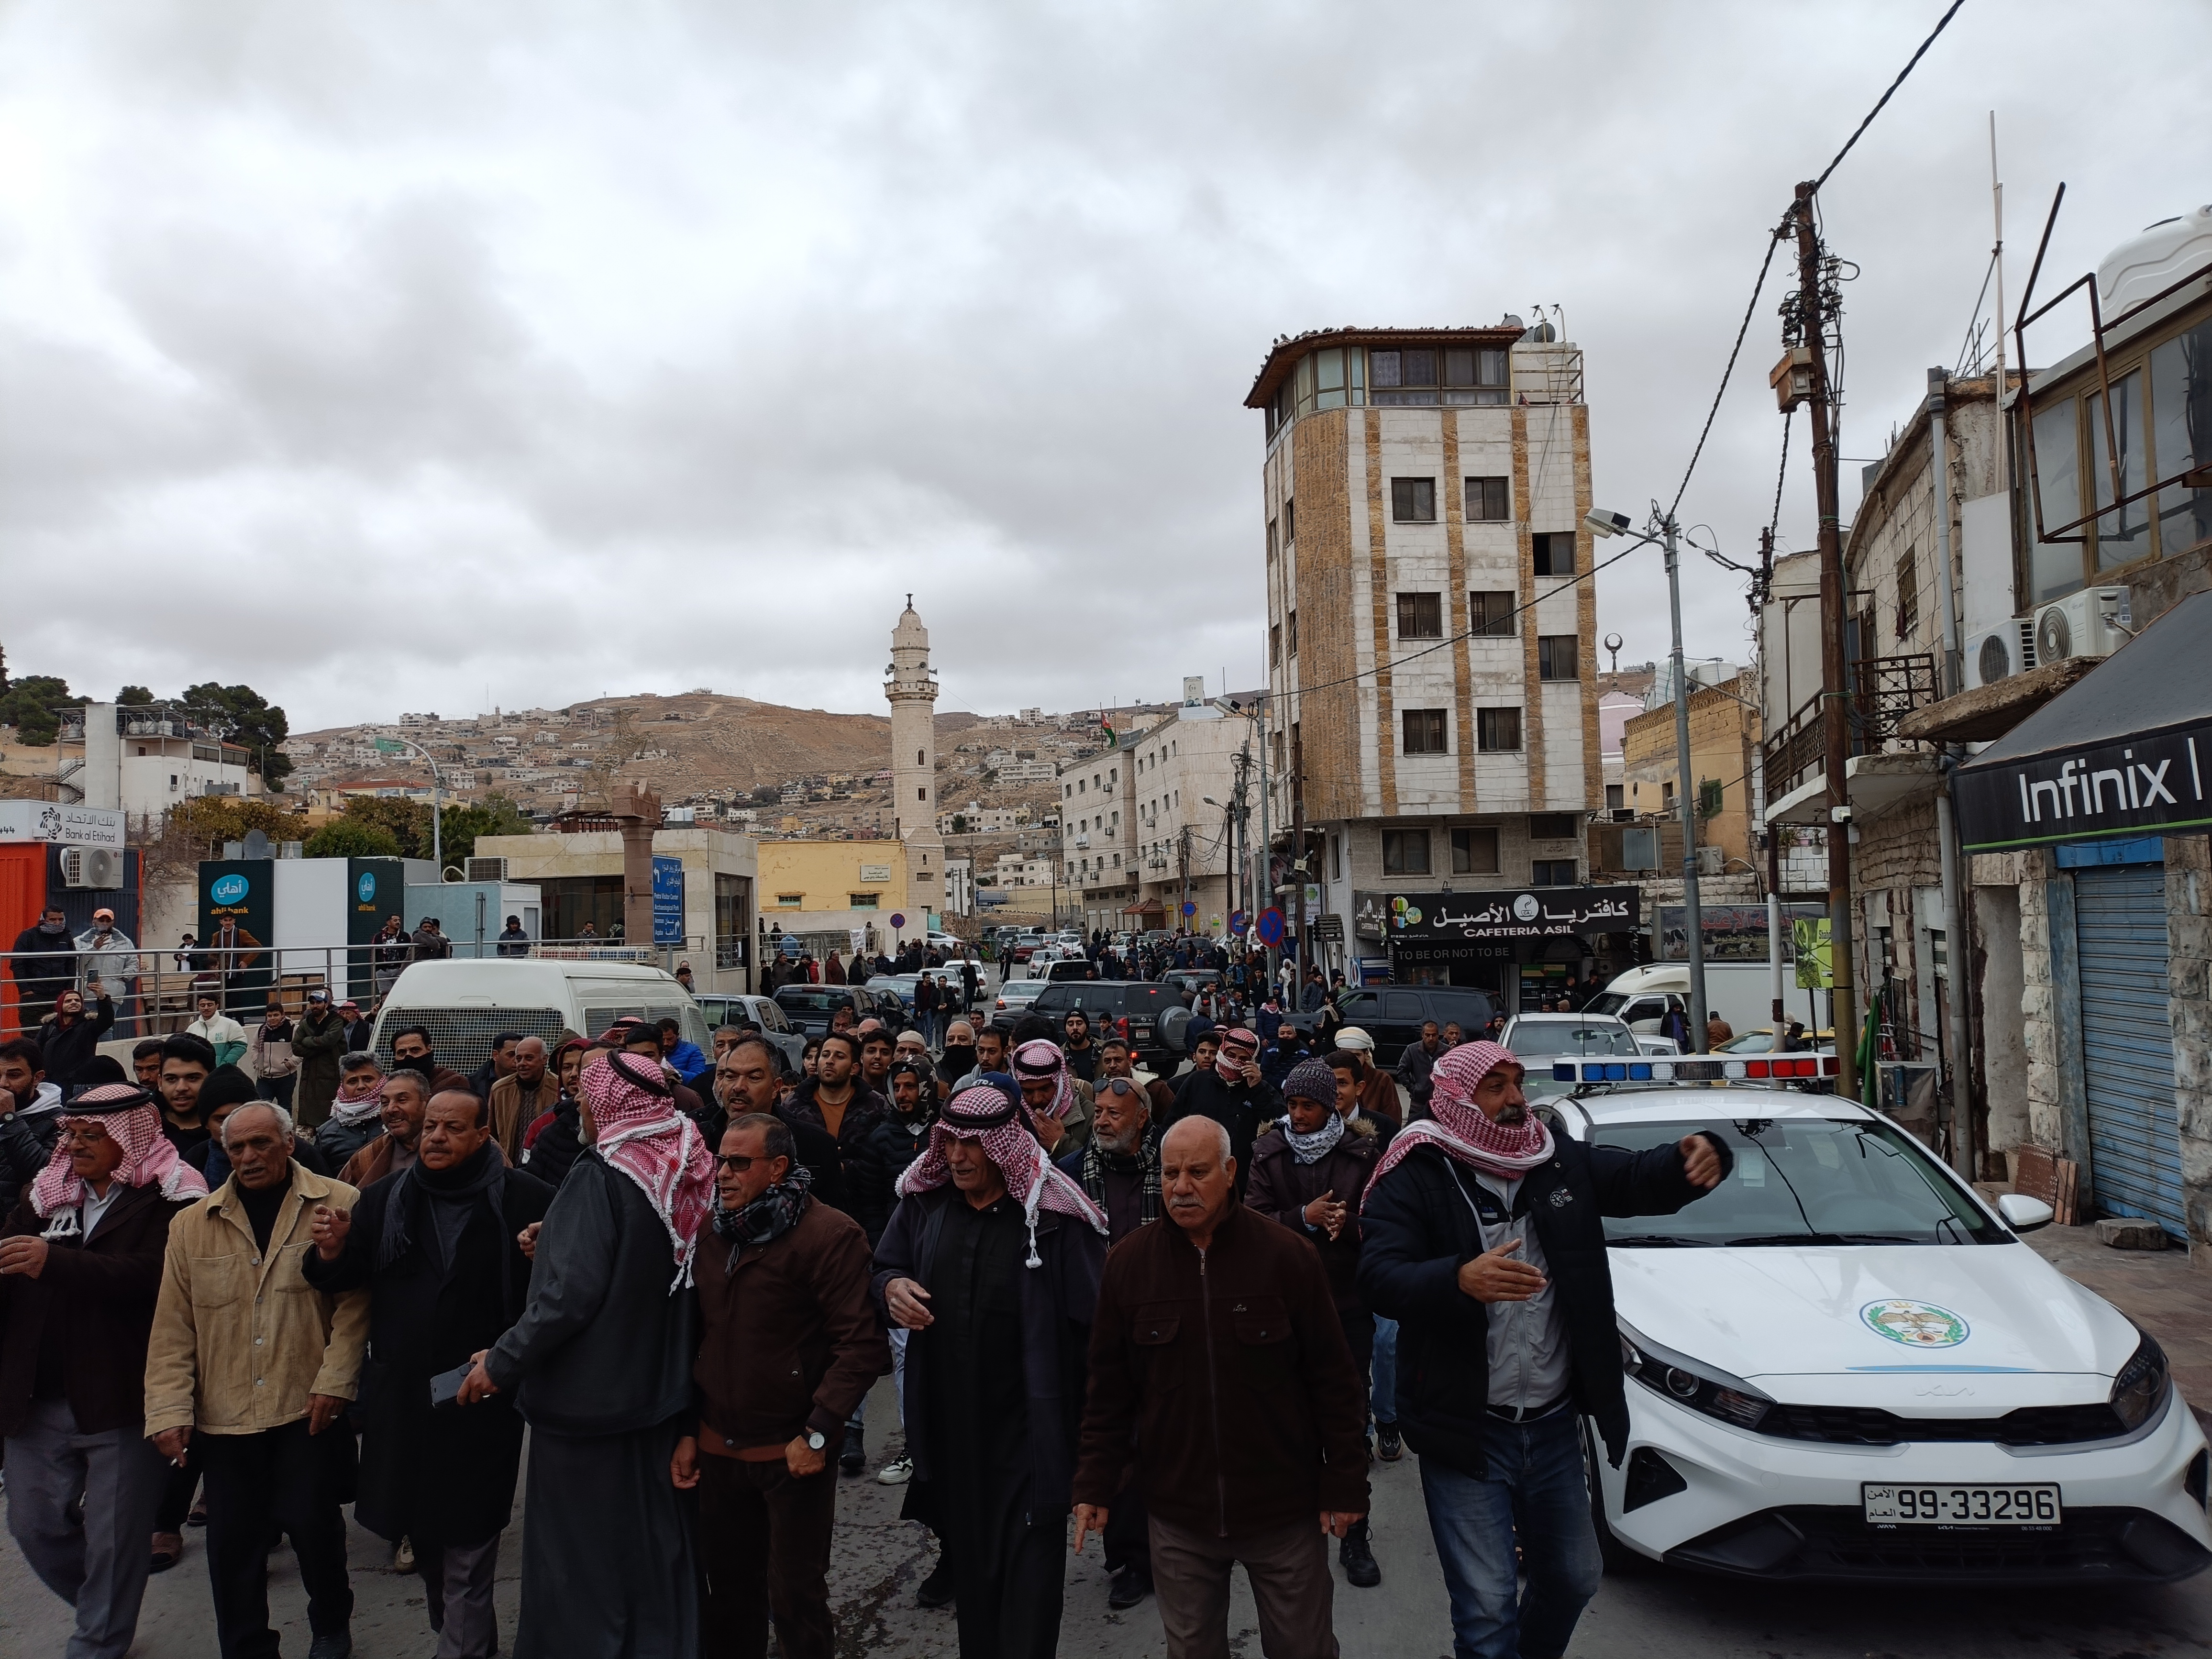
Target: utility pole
point(1298, 861)
point(1686, 774)
point(1182, 857)
point(1835, 695)
point(1263, 893)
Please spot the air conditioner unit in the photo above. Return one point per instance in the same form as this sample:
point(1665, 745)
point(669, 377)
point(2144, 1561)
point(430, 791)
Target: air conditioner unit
point(484, 870)
point(1711, 861)
point(2003, 651)
point(2082, 624)
point(97, 867)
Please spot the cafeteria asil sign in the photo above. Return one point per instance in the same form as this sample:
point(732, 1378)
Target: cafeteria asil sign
point(2151, 783)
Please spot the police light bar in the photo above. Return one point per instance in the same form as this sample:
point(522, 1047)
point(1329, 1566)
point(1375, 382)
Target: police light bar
point(1781, 1068)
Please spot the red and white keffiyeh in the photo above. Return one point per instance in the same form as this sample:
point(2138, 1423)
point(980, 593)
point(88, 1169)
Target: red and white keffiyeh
point(1045, 1058)
point(1459, 1129)
point(131, 1119)
point(641, 1132)
point(984, 1114)
point(1237, 1048)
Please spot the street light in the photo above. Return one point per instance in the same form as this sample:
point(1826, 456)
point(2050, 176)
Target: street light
point(1663, 530)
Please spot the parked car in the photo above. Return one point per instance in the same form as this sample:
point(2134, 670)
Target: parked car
point(762, 1011)
point(1844, 1366)
point(809, 1008)
point(1014, 999)
point(1150, 1016)
point(1537, 1040)
point(1392, 1014)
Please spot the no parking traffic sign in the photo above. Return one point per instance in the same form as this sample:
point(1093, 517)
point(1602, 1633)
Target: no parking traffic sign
point(1270, 926)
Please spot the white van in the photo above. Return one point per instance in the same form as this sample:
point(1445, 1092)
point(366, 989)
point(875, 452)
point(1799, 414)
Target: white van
point(464, 1005)
point(1737, 991)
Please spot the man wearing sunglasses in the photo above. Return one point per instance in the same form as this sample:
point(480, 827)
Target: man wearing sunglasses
point(789, 1347)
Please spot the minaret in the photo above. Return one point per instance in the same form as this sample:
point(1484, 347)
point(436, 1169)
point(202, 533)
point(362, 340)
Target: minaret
point(913, 696)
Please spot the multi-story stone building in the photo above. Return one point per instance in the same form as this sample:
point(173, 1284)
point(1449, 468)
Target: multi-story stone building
point(1432, 637)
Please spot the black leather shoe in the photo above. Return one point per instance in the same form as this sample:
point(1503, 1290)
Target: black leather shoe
point(1357, 1560)
point(1388, 1446)
point(1129, 1588)
point(937, 1590)
point(337, 1645)
point(855, 1457)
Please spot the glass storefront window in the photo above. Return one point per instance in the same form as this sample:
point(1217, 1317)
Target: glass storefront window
point(2124, 535)
point(2181, 436)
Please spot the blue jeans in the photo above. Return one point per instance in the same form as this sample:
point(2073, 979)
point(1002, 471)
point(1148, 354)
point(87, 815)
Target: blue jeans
point(1533, 1487)
point(1383, 1392)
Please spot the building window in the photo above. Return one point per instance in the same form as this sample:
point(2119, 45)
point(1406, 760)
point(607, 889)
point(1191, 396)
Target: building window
point(1405, 851)
point(1425, 732)
point(1474, 852)
point(1489, 500)
point(1475, 377)
point(1551, 826)
point(1554, 552)
point(1402, 377)
point(1552, 872)
point(1275, 643)
point(1556, 657)
point(1497, 730)
point(922, 794)
point(1293, 622)
point(1290, 524)
point(1908, 596)
point(1614, 797)
point(1413, 500)
point(862, 900)
point(1420, 616)
point(1271, 541)
point(791, 901)
point(1494, 614)
point(1336, 858)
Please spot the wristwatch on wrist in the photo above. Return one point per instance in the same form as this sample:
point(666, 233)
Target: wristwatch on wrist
point(816, 1440)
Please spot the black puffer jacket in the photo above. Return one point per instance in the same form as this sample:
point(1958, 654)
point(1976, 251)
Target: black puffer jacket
point(1418, 1227)
point(26, 1141)
point(67, 1048)
point(893, 1142)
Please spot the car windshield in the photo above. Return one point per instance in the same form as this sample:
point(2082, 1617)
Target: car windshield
point(1808, 1181)
point(1611, 1002)
point(1541, 1039)
point(811, 1002)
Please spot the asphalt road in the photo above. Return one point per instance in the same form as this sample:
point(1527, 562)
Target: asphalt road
point(878, 1559)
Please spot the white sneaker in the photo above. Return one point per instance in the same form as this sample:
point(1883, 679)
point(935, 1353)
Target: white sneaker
point(403, 1556)
point(897, 1473)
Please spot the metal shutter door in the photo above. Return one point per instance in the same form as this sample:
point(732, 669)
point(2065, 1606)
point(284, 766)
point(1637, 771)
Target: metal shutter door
point(2127, 1042)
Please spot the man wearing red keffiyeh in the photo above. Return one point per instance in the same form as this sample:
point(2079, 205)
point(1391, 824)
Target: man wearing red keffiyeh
point(1482, 1235)
point(600, 1365)
point(80, 1267)
point(991, 1262)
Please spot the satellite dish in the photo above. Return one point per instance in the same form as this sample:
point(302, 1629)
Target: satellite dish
point(257, 844)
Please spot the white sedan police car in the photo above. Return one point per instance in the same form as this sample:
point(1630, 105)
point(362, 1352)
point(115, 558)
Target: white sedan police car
point(1845, 1365)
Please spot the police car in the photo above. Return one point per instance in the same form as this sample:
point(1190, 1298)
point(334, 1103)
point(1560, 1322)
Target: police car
point(1843, 1365)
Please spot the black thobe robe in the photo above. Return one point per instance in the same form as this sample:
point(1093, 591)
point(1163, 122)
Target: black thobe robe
point(441, 1477)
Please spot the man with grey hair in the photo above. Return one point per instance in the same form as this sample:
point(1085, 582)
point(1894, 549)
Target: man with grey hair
point(522, 1096)
point(1222, 1488)
point(249, 1365)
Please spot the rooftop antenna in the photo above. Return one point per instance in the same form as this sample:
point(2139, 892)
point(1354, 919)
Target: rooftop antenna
point(1996, 211)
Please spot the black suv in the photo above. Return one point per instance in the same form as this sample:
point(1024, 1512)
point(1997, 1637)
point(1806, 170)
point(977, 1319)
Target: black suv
point(1392, 1014)
point(809, 1008)
point(1130, 1008)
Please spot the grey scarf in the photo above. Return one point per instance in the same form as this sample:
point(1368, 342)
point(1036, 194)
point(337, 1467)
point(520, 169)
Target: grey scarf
point(1311, 1149)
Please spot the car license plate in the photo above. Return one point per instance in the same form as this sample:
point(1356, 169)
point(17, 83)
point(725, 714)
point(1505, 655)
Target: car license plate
point(1960, 1506)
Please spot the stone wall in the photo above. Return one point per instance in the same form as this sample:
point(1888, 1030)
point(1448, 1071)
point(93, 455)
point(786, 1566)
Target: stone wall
point(2188, 938)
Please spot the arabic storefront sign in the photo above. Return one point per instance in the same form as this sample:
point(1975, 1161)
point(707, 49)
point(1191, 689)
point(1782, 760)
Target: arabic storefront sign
point(1538, 913)
point(2140, 785)
point(1733, 932)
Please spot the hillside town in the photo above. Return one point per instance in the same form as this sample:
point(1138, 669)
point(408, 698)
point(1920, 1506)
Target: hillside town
point(1612, 1156)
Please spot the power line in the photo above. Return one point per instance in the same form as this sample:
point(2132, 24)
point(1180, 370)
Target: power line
point(1766, 265)
point(1774, 521)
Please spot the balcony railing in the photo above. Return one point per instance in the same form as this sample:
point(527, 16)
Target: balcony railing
point(1883, 691)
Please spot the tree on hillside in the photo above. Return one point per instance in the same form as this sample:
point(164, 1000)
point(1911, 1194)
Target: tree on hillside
point(244, 717)
point(344, 838)
point(31, 703)
point(407, 822)
point(134, 696)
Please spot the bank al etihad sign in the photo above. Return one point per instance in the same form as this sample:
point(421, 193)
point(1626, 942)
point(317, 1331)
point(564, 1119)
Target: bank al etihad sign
point(2147, 784)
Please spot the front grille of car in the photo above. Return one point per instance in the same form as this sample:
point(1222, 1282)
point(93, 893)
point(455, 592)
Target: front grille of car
point(1870, 1426)
point(1817, 1543)
point(461, 1038)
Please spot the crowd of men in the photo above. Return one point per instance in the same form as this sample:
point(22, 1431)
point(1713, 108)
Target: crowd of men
point(1180, 1310)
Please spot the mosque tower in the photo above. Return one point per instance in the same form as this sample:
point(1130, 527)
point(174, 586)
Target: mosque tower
point(913, 696)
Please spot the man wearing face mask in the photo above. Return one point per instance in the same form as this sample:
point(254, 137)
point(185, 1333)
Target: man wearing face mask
point(1234, 1094)
point(1060, 1106)
point(1482, 1235)
point(788, 1347)
point(958, 1058)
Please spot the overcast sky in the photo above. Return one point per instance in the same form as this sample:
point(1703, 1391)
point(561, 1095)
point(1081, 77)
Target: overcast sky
point(399, 357)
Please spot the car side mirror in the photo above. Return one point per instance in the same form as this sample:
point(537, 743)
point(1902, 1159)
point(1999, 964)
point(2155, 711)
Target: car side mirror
point(2024, 1214)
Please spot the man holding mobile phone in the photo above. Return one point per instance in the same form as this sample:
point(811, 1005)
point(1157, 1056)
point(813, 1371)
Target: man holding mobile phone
point(436, 1245)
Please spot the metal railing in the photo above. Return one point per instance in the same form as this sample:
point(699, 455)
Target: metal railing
point(156, 993)
point(1883, 691)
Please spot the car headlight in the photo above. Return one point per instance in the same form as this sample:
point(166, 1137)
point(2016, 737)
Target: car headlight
point(2140, 1388)
point(1690, 1383)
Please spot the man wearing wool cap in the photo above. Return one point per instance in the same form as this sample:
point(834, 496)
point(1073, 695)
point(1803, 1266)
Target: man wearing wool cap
point(991, 1260)
point(1483, 1238)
